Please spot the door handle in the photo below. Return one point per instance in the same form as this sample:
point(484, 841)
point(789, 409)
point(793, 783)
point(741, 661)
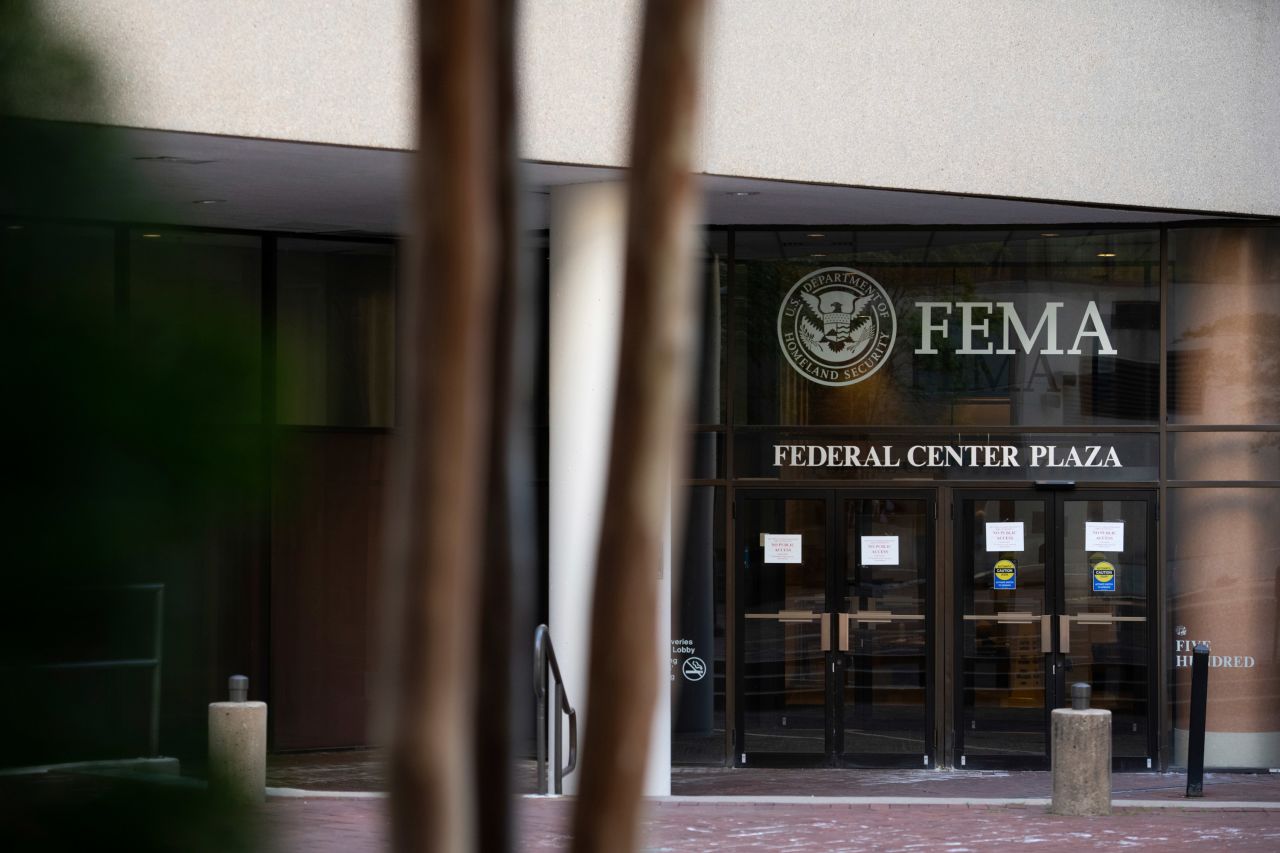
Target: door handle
point(801, 617)
point(1015, 617)
point(872, 617)
point(1008, 617)
point(1046, 634)
point(789, 616)
point(883, 616)
point(1086, 618)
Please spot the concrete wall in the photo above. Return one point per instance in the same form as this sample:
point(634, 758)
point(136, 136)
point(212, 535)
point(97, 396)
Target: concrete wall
point(1166, 103)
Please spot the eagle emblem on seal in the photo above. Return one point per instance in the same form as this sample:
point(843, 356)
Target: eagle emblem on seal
point(836, 326)
point(832, 331)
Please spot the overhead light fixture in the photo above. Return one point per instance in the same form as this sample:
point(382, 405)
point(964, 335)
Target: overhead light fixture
point(13, 228)
point(1049, 234)
point(1106, 254)
point(815, 235)
point(817, 255)
point(210, 201)
point(151, 235)
point(741, 193)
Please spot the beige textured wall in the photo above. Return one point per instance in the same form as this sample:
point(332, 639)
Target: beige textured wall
point(1167, 103)
point(334, 71)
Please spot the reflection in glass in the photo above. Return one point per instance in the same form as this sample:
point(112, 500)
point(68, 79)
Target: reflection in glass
point(336, 333)
point(1224, 321)
point(1239, 456)
point(933, 376)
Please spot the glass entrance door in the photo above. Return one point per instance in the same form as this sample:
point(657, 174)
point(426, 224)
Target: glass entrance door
point(834, 635)
point(1054, 588)
point(1004, 650)
point(1106, 623)
point(784, 632)
point(884, 632)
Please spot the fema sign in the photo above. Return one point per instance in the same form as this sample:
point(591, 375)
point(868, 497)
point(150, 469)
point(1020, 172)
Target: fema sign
point(837, 326)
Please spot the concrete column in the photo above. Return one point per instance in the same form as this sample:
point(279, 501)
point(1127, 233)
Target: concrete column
point(238, 750)
point(588, 222)
point(1081, 762)
point(657, 780)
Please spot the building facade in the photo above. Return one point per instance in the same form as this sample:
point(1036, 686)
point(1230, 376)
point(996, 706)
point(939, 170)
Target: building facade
point(988, 404)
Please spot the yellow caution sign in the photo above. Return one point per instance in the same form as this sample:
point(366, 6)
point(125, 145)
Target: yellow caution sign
point(1005, 575)
point(1104, 577)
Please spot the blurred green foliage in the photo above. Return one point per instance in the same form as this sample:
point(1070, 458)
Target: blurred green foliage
point(121, 460)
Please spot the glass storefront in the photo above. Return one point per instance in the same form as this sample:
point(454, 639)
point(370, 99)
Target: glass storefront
point(1108, 398)
point(870, 402)
point(253, 364)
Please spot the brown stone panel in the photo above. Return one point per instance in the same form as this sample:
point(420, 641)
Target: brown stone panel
point(1225, 551)
point(327, 499)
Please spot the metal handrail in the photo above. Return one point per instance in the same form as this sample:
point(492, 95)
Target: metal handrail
point(544, 665)
point(155, 663)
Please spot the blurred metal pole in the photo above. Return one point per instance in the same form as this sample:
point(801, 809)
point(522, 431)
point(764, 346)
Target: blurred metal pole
point(1199, 707)
point(439, 507)
point(655, 372)
point(509, 535)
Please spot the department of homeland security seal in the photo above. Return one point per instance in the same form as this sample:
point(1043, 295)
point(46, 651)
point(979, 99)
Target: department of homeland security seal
point(836, 326)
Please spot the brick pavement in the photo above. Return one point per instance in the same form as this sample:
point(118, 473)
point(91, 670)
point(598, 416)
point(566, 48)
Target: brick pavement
point(987, 784)
point(358, 826)
point(363, 770)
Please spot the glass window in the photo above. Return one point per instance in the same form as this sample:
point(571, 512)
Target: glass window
point(709, 401)
point(72, 264)
point(1224, 582)
point(697, 633)
point(1224, 322)
point(976, 328)
point(197, 297)
point(336, 340)
point(706, 456)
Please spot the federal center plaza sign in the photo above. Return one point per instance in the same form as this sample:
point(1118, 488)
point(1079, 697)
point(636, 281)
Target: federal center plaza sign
point(837, 326)
point(945, 456)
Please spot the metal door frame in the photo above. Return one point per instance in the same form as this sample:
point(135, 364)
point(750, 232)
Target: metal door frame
point(776, 759)
point(1056, 690)
point(832, 756)
point(962, 546)
point(1150, 498)
point(879, 759)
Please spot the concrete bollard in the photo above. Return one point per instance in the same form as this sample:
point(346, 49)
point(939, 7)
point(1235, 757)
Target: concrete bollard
point(238, 745)
point(1081, 757)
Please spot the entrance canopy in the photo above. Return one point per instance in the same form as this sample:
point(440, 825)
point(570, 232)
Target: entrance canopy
point(151, 176)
